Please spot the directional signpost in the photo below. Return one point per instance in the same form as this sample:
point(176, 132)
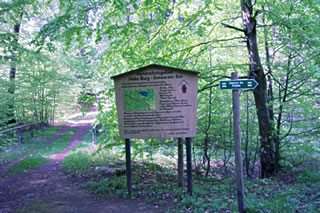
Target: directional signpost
point(243, 84)
point(235, 85)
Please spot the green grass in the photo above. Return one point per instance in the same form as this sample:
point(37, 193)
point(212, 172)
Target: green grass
point(277, 197)
point(32, 162)
point(77, 162)
point(295, 190)
point(45, 133)
point(156, 184)
point(84, 158)
point(41, 152)
point(58, 145)
point(112, 187)
point(39, 206)
point(15, 151)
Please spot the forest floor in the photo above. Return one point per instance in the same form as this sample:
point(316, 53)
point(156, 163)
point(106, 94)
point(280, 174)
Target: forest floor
point(56, 172)
point(48, 189)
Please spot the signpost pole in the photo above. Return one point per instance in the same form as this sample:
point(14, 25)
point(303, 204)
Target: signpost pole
point(237, 141)
point(128, 166)
point(180, 162)
point(189, 165)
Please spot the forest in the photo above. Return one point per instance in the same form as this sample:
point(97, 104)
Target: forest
point(57, 58)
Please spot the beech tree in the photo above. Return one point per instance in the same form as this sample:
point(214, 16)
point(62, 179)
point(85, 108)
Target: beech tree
point(75, 47)
point(267, 152)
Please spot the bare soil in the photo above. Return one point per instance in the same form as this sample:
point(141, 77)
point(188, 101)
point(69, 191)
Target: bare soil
point(49, 189)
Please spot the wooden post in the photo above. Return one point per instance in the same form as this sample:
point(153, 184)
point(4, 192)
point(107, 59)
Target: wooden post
point(128, 167)
point(180, 162)
point(237, 144)
point(94, 135)
point(19, 135)
point(189, 165)
point(31, 132)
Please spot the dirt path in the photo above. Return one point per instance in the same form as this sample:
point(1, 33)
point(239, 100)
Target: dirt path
point(48, 189)
point(57, 136)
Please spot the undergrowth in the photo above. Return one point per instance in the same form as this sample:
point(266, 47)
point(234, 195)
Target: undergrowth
point(84, 158)
point(40, 152)
point(15, 150)
point(296, 189)
point(29, 163)
point(39, 206)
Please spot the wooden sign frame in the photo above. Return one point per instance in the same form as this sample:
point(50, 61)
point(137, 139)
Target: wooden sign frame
point(157, 101)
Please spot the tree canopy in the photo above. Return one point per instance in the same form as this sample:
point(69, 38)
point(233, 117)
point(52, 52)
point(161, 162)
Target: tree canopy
point(64, 51)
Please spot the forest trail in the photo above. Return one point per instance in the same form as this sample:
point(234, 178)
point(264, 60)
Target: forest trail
point(64, 129)
point(48, 189)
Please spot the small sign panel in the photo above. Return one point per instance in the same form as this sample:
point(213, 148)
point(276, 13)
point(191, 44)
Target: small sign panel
point(244, 84)
point(157, 102)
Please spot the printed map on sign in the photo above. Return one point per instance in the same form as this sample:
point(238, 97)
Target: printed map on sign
point(139, 99)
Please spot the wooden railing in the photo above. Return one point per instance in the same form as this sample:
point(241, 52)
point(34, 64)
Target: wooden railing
point(95, 132)
point(22, 128)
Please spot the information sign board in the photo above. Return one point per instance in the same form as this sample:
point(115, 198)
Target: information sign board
point(157, 102)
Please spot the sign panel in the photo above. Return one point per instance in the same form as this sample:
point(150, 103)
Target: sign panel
point(238, 84)
point(157, 102)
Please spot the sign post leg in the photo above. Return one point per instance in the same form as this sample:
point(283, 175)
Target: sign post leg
point(237, 142)
point(189, 165)
point(180, 162)
point(20, 136)
point(128, 167)
point(94, 135)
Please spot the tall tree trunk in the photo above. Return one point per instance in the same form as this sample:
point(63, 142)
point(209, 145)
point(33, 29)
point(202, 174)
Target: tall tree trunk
point(206, 155)
point(276, 137)
point(267, 157)
point(12, 73)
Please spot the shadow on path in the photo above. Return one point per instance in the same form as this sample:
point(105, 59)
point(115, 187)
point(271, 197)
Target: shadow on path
point(4, 169)
point(48, 189)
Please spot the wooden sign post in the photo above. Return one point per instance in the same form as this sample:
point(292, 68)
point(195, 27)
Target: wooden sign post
point(237, 143)
point(157, 101)
point(189, 165)
point(128, 166)
point(180, 162)
point(235, 85)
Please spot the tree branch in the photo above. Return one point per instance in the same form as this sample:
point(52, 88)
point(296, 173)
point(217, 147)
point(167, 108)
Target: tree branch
point(309, 131)
point(232, 27)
